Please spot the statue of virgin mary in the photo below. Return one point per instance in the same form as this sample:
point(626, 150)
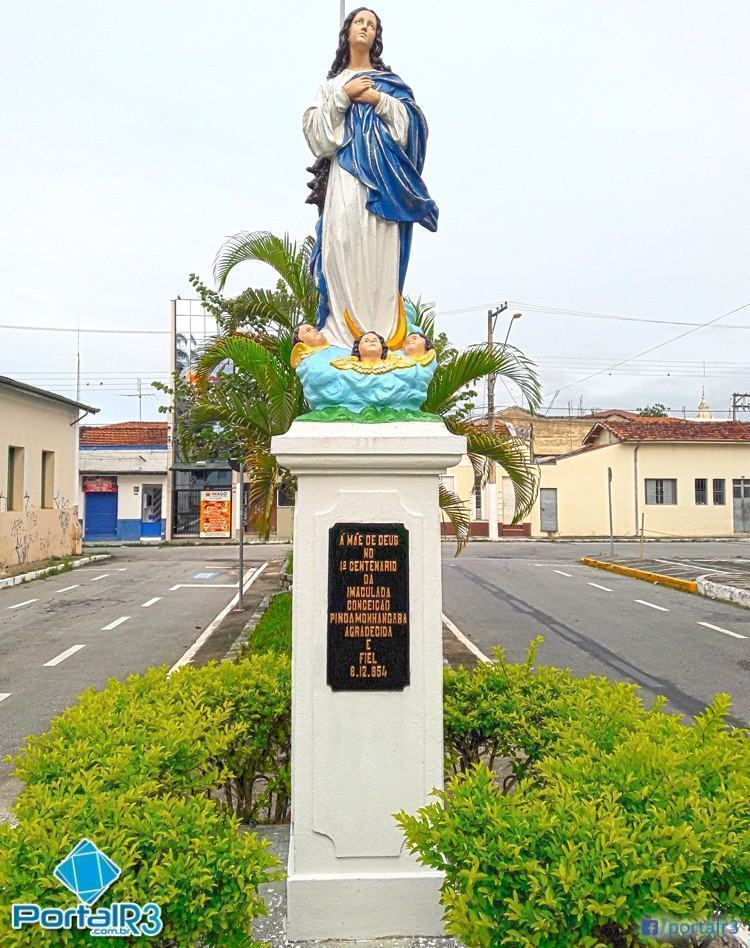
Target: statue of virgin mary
point(369, 136)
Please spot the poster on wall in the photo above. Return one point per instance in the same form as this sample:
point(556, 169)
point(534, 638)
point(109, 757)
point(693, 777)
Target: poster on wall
point(216, 513)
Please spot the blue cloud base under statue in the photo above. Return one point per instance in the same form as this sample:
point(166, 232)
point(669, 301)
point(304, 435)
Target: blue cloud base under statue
point(328, 386)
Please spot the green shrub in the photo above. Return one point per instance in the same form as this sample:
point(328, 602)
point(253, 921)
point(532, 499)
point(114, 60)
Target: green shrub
point(618, 814)
point(179, 852)
point(150, 769)
point(513, 713)
point(273, 633)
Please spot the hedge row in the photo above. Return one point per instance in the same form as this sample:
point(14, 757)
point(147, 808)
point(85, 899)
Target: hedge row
point(575, 812)
point(155, 770)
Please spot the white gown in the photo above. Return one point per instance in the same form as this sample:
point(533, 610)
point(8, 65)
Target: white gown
point(360, 250)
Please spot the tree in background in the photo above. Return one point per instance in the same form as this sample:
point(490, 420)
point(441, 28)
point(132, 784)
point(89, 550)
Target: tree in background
point(657, 410)
point(261, 396)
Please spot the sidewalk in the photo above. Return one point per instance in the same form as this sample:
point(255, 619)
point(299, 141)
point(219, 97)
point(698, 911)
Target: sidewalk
point(725, 580)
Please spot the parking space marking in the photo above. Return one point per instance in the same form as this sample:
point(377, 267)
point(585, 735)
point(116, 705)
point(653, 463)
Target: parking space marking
point(569, 575)
point(605, 588)
point(113, 625)
point(95, 579)
point(718, 628)
point(203, 586)
point(68, 588)
point(63, 655)
point(150, 602)
point(26, 603)
point(651, 605)
point(5, 695)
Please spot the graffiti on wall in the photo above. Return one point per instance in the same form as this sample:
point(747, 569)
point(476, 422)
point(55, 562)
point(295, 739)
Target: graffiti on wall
point(28, 536)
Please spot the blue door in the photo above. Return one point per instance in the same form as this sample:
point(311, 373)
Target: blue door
point(101, 516)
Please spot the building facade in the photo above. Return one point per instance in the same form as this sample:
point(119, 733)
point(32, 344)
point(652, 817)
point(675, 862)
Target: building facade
point(123, 471)
point(38, 474)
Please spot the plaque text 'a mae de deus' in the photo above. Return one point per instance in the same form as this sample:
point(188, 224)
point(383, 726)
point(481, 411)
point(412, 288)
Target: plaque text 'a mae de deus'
point(368, 607)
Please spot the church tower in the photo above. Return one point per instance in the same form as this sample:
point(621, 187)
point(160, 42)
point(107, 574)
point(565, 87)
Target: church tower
point(704, 412)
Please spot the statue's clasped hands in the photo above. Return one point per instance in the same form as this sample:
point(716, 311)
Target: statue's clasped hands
point(361, 90)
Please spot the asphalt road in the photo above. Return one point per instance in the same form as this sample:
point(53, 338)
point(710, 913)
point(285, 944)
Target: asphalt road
point(144, 607)
point(668, 642)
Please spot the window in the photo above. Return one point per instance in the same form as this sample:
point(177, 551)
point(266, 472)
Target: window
point(661, 491)
point(284, 498)
point(720, 491)
point(701, 490)
point(48, 478)
point(478, 498)
point(448, 481)
point(15, 478)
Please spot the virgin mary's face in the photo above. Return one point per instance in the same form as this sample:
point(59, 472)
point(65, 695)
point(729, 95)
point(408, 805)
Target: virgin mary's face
point(363, 30)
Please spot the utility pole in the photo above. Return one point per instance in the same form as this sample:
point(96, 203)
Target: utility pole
point(491, 493)
point(740, 402)
point(140, 402)
point(342, 15)
point(240, 603)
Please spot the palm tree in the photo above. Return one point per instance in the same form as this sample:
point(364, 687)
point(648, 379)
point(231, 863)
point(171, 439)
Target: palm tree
point(274, 397)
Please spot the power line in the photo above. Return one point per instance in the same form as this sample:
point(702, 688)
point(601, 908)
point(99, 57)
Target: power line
point(541, 310)
point(658, 345)
point(106, 332)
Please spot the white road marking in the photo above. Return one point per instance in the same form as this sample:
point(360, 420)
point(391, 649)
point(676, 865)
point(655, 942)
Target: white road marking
point(113, 625)
point(651, 605)
point(26, 603)
point(68, 588)
point(95, 579)
point(247, 581)
point(63, 655)
point(150, 602)
point(605, 588)
point(717, 628)
point(5, 695)
point(464, 641)
point(203, 586)
point(569, 575)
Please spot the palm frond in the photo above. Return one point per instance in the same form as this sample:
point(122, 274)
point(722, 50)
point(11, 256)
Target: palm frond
point(287, 259)
point(511, 454)
point(424, 317)
point(457, 512)
point(264, 475)
point(479, 362)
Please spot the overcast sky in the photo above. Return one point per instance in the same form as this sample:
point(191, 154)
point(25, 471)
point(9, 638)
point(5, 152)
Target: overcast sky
point(590, 156)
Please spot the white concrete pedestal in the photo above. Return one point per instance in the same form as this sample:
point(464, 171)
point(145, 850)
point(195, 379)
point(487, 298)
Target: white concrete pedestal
point(360, 756)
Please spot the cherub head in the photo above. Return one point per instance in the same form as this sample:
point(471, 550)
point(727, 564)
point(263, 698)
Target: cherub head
point(309, 336)
point(417, 344)
point(370, 347)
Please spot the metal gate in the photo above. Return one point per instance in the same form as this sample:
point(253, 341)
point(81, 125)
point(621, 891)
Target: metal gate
point(548, 506)
point(101, 516)
point(741, 493)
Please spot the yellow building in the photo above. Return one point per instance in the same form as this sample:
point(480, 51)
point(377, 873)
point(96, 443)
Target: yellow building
point(38, 473)
point(676, 478)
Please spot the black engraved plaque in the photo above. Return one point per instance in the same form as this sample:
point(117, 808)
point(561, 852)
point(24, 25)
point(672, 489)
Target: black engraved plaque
point(368, 607)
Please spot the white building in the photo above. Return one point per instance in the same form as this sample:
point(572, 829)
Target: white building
point(123, 480)
point(38, 478)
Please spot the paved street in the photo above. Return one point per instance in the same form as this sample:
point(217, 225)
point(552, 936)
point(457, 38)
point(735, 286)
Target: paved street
point(144, 607)
point(671, 643)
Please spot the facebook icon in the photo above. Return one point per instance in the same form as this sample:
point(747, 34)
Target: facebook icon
point(649, 926)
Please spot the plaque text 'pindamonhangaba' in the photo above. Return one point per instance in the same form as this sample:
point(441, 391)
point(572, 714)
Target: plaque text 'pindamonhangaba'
point(368, 607)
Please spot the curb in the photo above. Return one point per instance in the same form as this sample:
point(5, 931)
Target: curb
point(724, 593)
point(50, 570)
point(659, 579)
point(247, 631)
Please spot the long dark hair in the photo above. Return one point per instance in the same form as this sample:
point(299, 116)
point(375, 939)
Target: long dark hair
point(320, 168)
point(341, 59)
